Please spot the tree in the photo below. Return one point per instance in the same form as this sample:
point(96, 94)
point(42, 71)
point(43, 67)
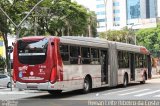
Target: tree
point(13, 8)
point(150, 38)
point(66, 18)
point(2, 63)
point(60, 17)
point(125, 35)
point(4, 29)
point(92, 24)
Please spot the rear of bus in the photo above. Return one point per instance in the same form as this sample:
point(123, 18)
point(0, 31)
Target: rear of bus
point(35, 63)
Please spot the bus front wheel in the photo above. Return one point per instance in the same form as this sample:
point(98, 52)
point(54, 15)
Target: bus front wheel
point(87, 85)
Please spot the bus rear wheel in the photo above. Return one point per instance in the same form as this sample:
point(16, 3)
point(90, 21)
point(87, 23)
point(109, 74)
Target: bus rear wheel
point(87, 85)
point(55, 92)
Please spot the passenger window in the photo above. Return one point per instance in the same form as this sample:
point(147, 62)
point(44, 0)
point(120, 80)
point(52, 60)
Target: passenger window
point(95, 56)
point(64, 52)
point(123, 59)
point(85, 52)
point(74, 54)
point(74, 51)
point(86, 55)
point(141, 61)
point(94, 53)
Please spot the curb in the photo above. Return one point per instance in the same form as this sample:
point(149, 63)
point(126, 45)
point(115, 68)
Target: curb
point(155, 76)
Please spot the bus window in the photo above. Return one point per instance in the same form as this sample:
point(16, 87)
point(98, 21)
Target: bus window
point(123, 59)
point(85, 55)
point(64, 52)
point(74, 54)
point(145, 61)
point(32, 52)
point(141, 61)
point(94, 56)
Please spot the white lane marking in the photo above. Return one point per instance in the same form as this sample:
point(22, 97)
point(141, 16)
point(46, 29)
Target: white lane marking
point(134, 92)
point(156, 96)
point(119, 91)
point(147, 93)
point(4, 93)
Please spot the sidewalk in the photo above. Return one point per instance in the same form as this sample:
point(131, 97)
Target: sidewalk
point(15, 94)
point(155, 74)
point(17, 91)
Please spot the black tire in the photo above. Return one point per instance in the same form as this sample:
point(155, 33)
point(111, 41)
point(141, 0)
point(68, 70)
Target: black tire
point(142, 82)
point(55, 92)
point(125, 81)
point(9, 85)
point(87, 85)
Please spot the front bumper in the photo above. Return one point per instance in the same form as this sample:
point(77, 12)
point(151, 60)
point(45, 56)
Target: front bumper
point(39, 86)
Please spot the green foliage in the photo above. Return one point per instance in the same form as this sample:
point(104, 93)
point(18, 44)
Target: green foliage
point(69, 18)
point(54, 17)
point(150, 38)
point(93, 23)
point(2, 63)
point(125, 35)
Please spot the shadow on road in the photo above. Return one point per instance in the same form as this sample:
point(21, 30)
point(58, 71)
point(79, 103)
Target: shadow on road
point(78, 92)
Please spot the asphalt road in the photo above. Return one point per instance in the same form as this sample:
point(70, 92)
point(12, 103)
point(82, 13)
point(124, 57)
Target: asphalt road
point(135, 94)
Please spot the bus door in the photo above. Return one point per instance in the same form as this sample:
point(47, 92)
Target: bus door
point(132, 66)
point(104, 66)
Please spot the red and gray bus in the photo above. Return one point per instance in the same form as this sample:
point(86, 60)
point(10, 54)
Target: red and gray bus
point(57, 64)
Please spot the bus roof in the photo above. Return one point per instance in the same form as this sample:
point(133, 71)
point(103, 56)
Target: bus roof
point(95, 42)
point(88, 41)
point(32, 37)
point(98, 42)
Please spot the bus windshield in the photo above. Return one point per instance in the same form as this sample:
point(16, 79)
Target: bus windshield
point(32, 52)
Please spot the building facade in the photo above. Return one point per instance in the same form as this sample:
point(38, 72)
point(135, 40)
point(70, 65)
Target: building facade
point(158, 11)
point(2, 47)
point(11, 39)
point(117, 14)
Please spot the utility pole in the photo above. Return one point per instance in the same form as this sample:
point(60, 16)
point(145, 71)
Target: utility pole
point(35, 23)
point(135, 38)
point(105, 9)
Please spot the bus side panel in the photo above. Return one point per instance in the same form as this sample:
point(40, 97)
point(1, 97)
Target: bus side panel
point(113, 64)
point(121, 73)
point(73, 76)
point(138, 73)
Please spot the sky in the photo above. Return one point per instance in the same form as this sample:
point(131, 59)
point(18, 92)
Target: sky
point(91, 4)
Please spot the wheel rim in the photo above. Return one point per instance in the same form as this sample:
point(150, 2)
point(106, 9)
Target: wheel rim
point(144, 78)
point(86, 85)
point(125, 81)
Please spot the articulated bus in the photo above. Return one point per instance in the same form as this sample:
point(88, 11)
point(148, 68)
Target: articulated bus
point(57, 64)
